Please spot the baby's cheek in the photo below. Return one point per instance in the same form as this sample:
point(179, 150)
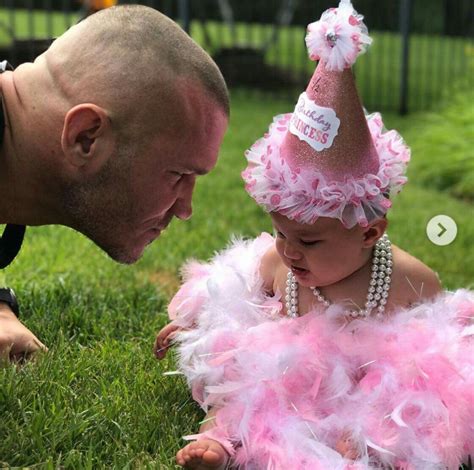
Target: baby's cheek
point(279, 247)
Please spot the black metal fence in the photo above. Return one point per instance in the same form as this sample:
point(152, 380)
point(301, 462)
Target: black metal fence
point(422, 50)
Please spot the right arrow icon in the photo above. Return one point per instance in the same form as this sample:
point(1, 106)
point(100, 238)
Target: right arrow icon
point(443, 229)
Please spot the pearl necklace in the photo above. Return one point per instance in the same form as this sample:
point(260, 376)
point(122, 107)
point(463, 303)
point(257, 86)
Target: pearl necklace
point(377, 293)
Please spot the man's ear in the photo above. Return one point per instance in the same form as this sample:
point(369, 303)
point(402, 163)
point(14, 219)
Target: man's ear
point(374, 231)
point(86, 139)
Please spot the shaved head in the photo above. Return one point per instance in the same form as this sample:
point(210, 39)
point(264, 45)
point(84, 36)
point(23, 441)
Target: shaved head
point(131, 60)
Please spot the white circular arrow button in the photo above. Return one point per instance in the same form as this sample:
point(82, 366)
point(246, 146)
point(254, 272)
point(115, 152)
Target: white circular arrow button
point(441, 230)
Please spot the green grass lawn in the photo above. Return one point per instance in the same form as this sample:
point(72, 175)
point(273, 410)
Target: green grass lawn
point(445, 140)
point(98, 399)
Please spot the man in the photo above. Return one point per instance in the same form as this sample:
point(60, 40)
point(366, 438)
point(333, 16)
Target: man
point(105, 133)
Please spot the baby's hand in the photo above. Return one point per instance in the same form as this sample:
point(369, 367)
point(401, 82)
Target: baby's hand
point(164, 339)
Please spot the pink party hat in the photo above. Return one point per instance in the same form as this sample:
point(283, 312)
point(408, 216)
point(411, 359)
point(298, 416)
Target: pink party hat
point(327, 158)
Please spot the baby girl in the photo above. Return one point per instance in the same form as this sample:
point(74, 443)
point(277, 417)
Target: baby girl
point(326, 347)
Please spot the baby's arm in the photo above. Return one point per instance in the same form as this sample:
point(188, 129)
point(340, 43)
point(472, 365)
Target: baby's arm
point(412, 281)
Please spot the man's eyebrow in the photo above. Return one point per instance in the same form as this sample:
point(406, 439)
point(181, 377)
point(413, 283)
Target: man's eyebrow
point(192, 170)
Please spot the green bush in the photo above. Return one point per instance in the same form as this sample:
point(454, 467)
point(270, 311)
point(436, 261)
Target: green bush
point(443, 147)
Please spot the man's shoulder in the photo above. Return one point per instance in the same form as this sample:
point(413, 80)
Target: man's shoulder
point(412, 279)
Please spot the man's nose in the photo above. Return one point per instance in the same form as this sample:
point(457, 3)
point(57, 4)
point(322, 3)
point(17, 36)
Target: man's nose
point(182, 208)
point(290, 251)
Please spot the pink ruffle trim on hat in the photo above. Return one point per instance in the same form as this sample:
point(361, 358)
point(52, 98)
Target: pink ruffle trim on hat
point(305, 195)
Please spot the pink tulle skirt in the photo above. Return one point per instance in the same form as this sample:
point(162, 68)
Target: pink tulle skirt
point(287, 390)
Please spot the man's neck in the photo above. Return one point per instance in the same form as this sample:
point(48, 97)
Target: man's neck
point(22, 196)
point(5, 202)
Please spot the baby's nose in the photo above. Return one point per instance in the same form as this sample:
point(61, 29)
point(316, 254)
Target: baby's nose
point(291, 252)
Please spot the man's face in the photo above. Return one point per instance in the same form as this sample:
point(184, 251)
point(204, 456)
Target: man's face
point(156, 181)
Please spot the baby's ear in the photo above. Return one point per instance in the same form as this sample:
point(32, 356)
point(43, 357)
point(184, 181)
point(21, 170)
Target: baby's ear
point(374, 231)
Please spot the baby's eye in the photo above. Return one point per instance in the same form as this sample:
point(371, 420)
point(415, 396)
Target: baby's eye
point(279, 234)
point(309, 242)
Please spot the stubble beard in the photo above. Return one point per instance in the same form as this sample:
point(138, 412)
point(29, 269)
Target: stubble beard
point(101, 209)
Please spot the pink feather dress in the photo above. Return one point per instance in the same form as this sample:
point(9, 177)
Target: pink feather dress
point(287, 389)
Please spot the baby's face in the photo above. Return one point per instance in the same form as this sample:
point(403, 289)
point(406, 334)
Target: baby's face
point(319, 254)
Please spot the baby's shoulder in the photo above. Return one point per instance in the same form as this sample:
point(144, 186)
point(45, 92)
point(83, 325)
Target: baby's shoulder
point(270, 265)
point(412, 280)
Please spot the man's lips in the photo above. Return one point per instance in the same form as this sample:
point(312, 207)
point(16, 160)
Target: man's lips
point(160, 227)
point(156, 231)
point(152, 235)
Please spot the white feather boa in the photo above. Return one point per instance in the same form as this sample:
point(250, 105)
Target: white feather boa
point(287, 390)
